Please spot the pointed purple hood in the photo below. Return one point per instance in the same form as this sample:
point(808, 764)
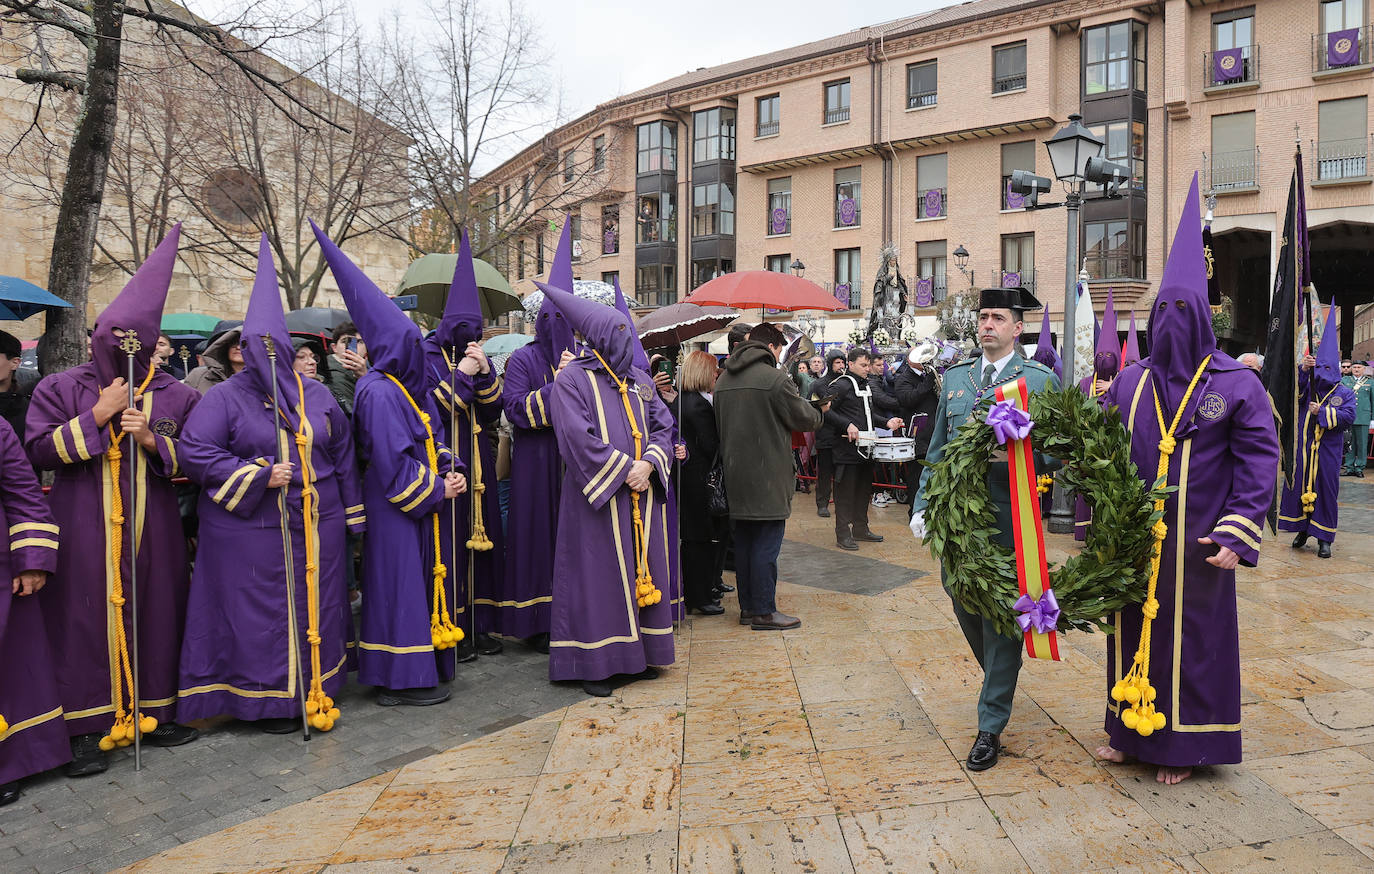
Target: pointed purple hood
point(137, 308)
point(605, 329)
point(641, 358)
point(1107, 358)
point(1132, 353)
point(1181, 320)
point(265, 318)
point(1328, 368)
point(551, 329)
point(1045, 352)
point(462, 321)
point(394, 342)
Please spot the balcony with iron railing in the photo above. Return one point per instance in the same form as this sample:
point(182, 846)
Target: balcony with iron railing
point(921, 100)
point(1024, 278)
point(927, 291)
point(849, 294)
point(1230, 68)
point(1233, 172)
point(1341, 160)
point(836, 115)
point(1003, 84)
point(768, 129)
point(932, 203)
point(1342, 50)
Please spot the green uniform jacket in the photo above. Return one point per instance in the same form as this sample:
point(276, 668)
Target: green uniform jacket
point(958, 398)
point(1364, 398)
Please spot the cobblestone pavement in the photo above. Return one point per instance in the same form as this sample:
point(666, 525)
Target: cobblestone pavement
point(836, 747)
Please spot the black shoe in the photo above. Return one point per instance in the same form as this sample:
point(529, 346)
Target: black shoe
point(823, 512)
point(539, 643)
point(171, 734)
point(9, 793)
point(1359, 474)
point(488, 645)
point(774, 622)
point(422, 697)
point(649, 673)
point(983, 755)
point(1323, 549)
point(869, 537)
point(1300, 541)
point(597, 688)
point(466, 651)
point(746, 619)
point(279, 725)
point(847, 543)
point(722, 588)
point(87, 757)
point(710, 608)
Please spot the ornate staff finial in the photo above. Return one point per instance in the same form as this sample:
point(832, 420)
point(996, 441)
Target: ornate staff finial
point(271, 346)
point(130, 343)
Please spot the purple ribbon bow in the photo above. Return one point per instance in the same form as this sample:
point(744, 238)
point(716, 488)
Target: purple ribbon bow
point(1008, 422)
point(1043, 614)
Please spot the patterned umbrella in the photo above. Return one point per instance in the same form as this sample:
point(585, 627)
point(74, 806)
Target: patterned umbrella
point(680, 322)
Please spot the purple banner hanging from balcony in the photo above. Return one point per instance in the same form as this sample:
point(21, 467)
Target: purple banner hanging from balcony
point(608, 243)
point(842, 293)
point(1014, 200)
point(934, 203)
point(849, 211)
point(1228, 66)
point(1343, 48)
point(1011, 280)
point(779, 222)
point(925, 292)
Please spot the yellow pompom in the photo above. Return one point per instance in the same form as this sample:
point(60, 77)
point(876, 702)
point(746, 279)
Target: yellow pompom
point(1129, 718)
point(328, 702)
point(1159, 720)
point(458, 635)
point(147, 725)
point(333, 714)
point(328, 725)
point(125, 742)
point(1119, 692)
point(312, 707)
point(117, 732)
point(1145, 727)
point(1151, 693)
point(1132, 694)
point(4, 726)
point(107, 743)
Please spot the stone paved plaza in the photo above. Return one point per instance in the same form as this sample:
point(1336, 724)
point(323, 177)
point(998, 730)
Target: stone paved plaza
point(837, 747)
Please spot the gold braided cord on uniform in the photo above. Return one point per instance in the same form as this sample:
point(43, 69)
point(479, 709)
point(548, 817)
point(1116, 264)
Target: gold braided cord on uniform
point(319, 707)
point(646, 593)
point(442, 631)
point(1309, 490)
point(1135, 688)
point(122, 732)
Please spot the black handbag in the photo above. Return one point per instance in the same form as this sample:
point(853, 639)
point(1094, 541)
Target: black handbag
point(716, 502)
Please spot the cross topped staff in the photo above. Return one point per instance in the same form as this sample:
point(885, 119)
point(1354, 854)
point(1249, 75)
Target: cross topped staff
point(130, 345)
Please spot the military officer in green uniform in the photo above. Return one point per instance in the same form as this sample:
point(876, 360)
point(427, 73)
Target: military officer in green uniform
point(1000, 312)
point(1357, 453)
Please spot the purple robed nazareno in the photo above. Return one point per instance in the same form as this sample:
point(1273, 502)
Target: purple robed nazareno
point(1224, 467)
point(63, 437)
point(36, 739)
point(479, 396)
point(236, 657)
point(1106, 365)
point(598, 630)
point(401, 492)
point(1322, 386)
point(536, 468)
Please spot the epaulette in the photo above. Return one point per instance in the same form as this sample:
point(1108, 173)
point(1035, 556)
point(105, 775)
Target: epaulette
point(1031, 363)
point(967, 362)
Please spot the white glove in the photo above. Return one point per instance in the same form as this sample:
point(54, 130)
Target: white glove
point(918, 524)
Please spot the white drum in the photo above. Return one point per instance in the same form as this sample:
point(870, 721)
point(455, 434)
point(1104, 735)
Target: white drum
point(894, 449)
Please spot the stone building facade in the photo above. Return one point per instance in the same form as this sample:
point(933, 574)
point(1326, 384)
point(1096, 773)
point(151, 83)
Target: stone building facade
point(906, 132)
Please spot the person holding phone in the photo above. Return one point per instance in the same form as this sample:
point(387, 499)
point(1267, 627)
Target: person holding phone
point(351, 354)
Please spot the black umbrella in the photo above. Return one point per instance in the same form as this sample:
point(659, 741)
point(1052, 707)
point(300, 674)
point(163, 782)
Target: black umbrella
point(316, 320)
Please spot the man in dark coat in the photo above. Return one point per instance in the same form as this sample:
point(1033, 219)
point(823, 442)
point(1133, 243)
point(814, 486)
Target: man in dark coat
point(861, 405)
point(825, 435)
point(918, 396)
point(757, 408)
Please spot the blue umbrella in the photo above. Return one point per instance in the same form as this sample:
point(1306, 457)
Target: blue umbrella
point(23, 299)
point(8, 315)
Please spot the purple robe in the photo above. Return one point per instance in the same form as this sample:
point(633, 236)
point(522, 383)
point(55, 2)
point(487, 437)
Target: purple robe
point(63, 437)
point(1337, 413)
point(236, 657)
point(481, 392)
point(401, 495)
point(1082, 513)
point(536, 476)
point(1224, 467)
point(36, 738)
point(597, 628)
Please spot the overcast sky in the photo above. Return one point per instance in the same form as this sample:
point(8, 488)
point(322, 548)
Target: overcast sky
point(603, 48)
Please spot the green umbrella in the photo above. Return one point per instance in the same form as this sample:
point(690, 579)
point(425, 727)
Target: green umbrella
point(189, 323)
point(430, 276)
point(504, 344)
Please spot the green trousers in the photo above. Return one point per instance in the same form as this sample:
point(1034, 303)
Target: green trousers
point(1357, 453)
point(1000, 658)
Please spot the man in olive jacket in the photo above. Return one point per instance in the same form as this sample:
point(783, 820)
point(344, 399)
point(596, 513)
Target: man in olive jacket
point(757, 409)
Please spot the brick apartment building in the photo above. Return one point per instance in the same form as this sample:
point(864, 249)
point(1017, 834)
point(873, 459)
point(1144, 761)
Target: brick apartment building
point(907, 132)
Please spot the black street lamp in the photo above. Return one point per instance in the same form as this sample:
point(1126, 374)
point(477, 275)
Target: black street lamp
point(798, 268)
point(961, 261)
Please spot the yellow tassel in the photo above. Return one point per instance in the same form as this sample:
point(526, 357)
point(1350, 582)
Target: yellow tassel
point(4, 726)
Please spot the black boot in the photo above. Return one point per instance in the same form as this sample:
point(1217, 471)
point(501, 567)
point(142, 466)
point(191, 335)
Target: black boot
point(1300, 541)
point(87, 757)
point(412, 697)
point(649, 673)
point(1323, 549)
point(9, 793)
point(983, 755)
point(279, 725)
point(466, 651)
point(171, 734)
point(710, 608)
point(539, 642)
point(488, 645)
point(597, 688)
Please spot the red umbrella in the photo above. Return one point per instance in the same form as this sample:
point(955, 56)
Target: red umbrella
point(764, 288)
point(680, 322)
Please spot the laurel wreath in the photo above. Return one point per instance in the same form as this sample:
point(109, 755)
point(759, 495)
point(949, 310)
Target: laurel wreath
point(1112, 569)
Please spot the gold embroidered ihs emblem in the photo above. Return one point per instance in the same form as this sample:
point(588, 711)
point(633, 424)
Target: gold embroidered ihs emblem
point(1207, 256)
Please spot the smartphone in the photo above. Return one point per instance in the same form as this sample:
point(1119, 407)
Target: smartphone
point(664, 366)
point(351, 344)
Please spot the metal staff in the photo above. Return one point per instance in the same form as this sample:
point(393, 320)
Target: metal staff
point(453, 504)
point(130, 344)
point(473, 498)
point(293, 633)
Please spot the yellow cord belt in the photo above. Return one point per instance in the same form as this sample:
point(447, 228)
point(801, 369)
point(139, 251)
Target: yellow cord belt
point(479, 542)
point(319, 707)
point(1135, 688)
point(1309, 492)
point(442, 631)
point(646, 593)
point(122, 732)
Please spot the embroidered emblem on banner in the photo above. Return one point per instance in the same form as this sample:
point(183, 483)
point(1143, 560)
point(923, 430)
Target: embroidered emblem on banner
point(1213, 406)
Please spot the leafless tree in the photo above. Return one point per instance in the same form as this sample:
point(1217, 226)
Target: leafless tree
point(80, 49)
